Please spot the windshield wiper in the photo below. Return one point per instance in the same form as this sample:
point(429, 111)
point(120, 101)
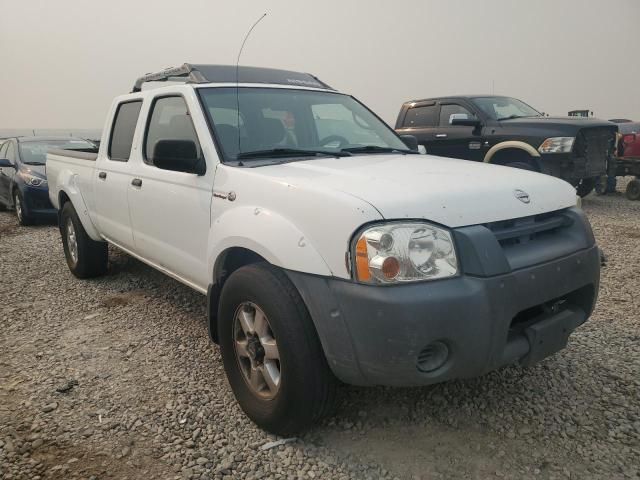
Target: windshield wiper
point(289, 152)
point(33, 163)
point(517, 116)
point(376, 149)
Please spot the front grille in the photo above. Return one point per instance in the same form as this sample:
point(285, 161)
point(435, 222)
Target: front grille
point(527, 229)
point(594, 145)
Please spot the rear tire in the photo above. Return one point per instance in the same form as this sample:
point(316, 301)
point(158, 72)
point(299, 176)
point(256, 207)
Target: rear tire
point(585, 186)
point(633, 190)
point(306, 388)
point(86, 258)
point(22, 213)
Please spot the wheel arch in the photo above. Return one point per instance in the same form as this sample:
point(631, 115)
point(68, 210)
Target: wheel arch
point(510, 145)
point(67, 194)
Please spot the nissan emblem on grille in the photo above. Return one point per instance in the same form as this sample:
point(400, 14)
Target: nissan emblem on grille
point(522, 196)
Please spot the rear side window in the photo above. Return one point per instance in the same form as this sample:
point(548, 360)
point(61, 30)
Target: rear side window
point(447, 110)
point(124, 127)
point(425, 116)
point(11, 152)
point(170, 120)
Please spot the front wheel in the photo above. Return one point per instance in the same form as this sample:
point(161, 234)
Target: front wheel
point(86, 258)
point(24, 218)
point(271, 352)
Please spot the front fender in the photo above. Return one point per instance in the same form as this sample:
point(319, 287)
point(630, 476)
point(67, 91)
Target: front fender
point(268, 234)
point(67, 183)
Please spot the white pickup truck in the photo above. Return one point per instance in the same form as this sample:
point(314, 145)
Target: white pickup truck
point(327, 247)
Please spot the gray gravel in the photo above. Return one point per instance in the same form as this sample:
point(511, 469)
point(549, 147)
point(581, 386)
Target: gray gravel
point(116, 378)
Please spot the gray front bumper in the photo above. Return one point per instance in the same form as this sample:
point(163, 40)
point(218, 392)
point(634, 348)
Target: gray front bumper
point(372, 335)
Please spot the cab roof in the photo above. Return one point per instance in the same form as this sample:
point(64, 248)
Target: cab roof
point(198, 73)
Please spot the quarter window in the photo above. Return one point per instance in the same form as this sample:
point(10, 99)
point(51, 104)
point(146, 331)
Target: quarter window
point(447, 110)
point(124, 127)
point(11, 152)
point(170, 120)
point(425, 116)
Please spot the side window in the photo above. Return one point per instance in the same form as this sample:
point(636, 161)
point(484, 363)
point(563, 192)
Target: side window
point(3, 150)
point(447, 110)
point(170, 120)
point(424, 116)
point(124, 127)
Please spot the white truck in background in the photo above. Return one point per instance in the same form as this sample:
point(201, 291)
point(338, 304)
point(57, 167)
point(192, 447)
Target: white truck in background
point(327, 248)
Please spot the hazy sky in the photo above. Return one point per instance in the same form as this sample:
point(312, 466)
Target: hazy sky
point(63, 61)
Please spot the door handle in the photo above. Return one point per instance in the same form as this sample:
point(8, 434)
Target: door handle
point(136, 182)
point(441, 135)
point(102, 175)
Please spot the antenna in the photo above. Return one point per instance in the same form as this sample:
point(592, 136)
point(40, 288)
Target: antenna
point(237, 69)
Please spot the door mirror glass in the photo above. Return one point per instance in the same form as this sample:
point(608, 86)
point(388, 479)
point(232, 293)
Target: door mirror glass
point(4, 162)
point(178, 155)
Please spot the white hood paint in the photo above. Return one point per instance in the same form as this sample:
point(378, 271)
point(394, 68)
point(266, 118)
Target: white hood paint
point(447, 191)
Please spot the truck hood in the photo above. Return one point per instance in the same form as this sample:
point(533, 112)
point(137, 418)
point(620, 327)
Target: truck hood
point(559, 122)
point(447, 191)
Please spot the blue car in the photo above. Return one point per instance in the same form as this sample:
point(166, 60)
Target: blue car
point(23, 179)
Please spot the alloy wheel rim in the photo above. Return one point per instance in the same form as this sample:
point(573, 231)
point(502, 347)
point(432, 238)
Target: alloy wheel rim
point(18, 207)
point(72, 241)
point(256, 351)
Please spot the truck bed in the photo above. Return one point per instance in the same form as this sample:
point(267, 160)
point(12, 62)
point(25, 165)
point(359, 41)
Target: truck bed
point(75, 166)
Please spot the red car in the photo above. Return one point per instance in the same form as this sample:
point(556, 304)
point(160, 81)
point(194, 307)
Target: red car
point(628, 156)
point(629, 144)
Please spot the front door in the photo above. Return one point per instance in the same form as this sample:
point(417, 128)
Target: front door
point(113, 177)
point(171, 209)
point(456, 141)
point(8, 151)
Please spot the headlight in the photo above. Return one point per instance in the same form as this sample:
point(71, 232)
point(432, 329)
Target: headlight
point(404, 252)
point(33, 180)
point(557, 145)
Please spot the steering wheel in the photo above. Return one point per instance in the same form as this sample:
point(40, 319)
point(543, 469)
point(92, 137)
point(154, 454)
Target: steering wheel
point(334, 141)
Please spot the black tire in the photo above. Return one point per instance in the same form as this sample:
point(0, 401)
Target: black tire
point(585, 186)
point(307, 387)
point(91, 257)
point(22, 213)
point(633, 190)
point(522, 166)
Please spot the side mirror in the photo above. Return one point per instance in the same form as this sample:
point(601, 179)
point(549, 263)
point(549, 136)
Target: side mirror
point(410, 141)
point(628, 138)
point(4, 162)
point(179, 156)
point(462, 119)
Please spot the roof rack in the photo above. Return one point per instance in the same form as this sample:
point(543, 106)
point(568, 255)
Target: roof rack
point(190, 73)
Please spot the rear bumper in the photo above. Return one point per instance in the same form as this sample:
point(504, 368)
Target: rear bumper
point(375, 335)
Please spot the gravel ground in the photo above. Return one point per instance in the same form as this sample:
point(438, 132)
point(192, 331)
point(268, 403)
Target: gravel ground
point(116, 378)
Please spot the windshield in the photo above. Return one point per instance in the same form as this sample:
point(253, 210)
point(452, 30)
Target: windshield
point(504, 108)
point(35, 152)
point(277, 122)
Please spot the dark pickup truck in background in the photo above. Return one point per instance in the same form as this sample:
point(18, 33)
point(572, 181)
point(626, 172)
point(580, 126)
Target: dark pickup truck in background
point(507, 131)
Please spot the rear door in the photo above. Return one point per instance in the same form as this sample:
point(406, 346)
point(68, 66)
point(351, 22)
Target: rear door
point(421, 120)
point(456, 141)
point(113, 176)
point(171, 209)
